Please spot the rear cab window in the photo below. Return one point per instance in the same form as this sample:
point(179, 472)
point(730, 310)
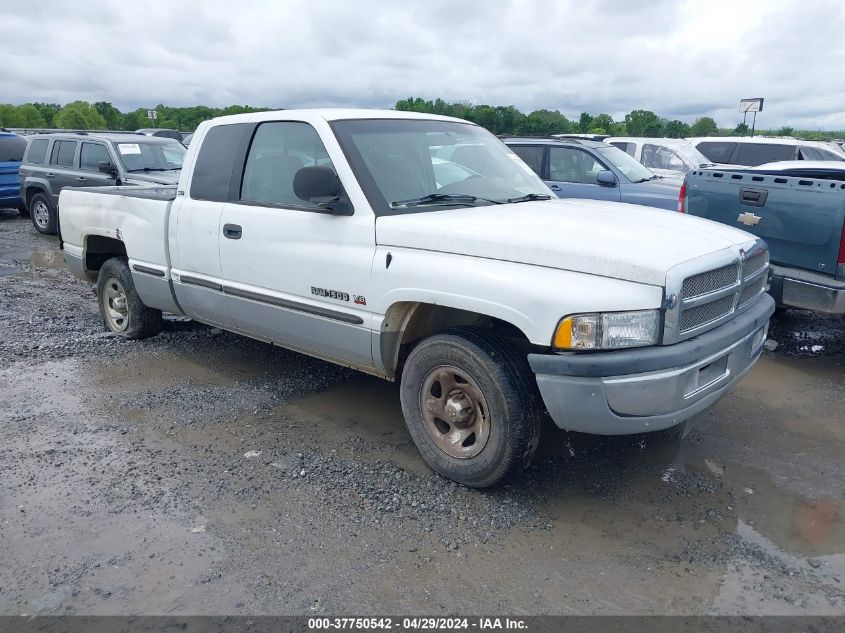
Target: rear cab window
point(753, 154)
point(717, 151)
point(531, 155)
point(628, 148)
point(816, 153)
point(36, 153)
point(11, 149)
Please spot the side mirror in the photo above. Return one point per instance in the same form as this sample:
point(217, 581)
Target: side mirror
point(106, 167)
point(321, 186)
point(606, 178)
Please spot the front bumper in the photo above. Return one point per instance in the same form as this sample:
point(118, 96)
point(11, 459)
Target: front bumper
point(650, 388)
point(803, 289)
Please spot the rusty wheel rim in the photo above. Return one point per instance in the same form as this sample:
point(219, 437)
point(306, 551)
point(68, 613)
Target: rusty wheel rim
point(454, 412)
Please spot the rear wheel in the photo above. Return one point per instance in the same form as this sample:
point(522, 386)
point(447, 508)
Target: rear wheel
point(470, 406)
point(122, 310)
point(43, 214)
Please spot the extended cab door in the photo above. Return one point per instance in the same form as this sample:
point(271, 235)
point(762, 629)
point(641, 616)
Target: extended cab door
point(195, 225)
point(573, 174)
point(294, 273)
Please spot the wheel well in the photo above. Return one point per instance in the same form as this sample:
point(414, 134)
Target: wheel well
point(31, 191)
point(99, 249)
point(407, 323)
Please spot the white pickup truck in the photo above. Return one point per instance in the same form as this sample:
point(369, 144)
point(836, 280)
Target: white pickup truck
point(420, 248)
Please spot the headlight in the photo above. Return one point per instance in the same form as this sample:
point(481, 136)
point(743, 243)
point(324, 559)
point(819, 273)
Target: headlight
point(609, 330)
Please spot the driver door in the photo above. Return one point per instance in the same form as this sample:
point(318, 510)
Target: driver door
point(573, 174)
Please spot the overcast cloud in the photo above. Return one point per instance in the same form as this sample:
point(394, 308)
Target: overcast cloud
point(682, 59)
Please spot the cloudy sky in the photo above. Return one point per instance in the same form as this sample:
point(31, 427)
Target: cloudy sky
point(680, 58)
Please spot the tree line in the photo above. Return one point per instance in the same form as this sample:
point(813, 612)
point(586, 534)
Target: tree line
point(102, 115)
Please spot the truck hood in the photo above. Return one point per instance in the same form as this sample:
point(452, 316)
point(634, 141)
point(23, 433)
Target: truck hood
point(611, 239)
point(157, 177)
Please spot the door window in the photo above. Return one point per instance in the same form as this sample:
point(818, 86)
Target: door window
point(278, 151)
point(63, 153)
point(567, 164)
point(92, 155)
point(531, 155)
point(628, 148)
point(660, 157)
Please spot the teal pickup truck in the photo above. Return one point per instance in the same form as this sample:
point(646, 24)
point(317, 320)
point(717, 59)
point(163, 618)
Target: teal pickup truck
point(798, 208)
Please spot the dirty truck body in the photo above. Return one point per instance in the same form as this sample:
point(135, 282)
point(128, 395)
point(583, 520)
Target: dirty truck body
point(327, 232)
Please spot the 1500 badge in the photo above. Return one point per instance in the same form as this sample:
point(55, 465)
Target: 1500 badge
point(329, 294)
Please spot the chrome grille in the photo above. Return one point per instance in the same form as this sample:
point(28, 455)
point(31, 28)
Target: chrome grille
point(706, 313)
point(710, 281)
point(699, 301)
point(752, 290)
point(754, 263)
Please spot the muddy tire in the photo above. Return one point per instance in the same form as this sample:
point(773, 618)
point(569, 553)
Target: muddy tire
point(43, 214)
point(471, 406)
point(122, 310)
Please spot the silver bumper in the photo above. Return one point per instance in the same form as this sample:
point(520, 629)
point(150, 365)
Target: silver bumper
point(811, 291)
point(679, 380)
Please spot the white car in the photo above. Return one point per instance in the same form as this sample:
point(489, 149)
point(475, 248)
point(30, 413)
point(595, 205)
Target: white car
point(752, 151)
point(327, 232)
point(663, 156)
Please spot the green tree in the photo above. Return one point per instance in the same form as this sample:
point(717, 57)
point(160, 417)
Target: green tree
point(603, 121)
point(9, 116)
point(676, 129)
point(643, 123)
point(110, 114)
point(741, 130)
point(79, 115)
point(704, 126)
point(785, 131)
point(585, 121)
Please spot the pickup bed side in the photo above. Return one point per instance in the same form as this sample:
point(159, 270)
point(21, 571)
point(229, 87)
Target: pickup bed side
point(801, 218)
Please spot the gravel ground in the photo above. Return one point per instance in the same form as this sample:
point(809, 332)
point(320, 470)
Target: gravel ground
point(199, 472)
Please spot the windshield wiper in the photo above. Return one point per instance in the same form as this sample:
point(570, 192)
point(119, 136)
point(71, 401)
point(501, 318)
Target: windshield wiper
point(146, 169)
point(530, 196)
point(446, 198)
point(647, 179)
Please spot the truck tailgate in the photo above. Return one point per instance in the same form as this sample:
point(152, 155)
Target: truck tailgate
point(800, 218)
point(140, 212)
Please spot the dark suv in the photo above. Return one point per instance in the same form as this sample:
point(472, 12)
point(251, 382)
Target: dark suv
point(589, 169)
point(81, 159)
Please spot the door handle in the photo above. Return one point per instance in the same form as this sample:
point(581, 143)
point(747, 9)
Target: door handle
point(232, 231)
point(555, 187)
point(81, 178)
point(51, 175)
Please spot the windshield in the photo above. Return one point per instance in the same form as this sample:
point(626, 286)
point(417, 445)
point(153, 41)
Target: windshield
point(630, 167)
point(146, 156)
point(408, 165)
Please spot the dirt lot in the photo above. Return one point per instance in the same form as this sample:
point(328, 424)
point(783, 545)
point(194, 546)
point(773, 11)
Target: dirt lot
point(199, 472)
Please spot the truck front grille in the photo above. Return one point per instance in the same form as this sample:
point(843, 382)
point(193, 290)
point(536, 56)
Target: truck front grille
point(709, 298)
point(710, 281)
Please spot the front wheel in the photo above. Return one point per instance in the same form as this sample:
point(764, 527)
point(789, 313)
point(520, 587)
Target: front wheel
point(122, 310)
point(470, 406)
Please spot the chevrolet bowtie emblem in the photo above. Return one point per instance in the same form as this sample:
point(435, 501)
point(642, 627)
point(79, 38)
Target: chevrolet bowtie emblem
point(748, 218)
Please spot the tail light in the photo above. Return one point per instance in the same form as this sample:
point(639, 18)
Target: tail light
point(840, 260)
point(682, 199)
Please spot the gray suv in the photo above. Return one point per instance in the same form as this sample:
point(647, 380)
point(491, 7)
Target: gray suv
point(81, 159)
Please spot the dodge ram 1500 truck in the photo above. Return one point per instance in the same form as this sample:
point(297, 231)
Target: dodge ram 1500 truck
point(341, 234)
point(798, 207)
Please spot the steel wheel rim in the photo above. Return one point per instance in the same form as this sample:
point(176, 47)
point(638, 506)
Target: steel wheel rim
point(114, 306)
point(41, 214)
point(454, 412)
